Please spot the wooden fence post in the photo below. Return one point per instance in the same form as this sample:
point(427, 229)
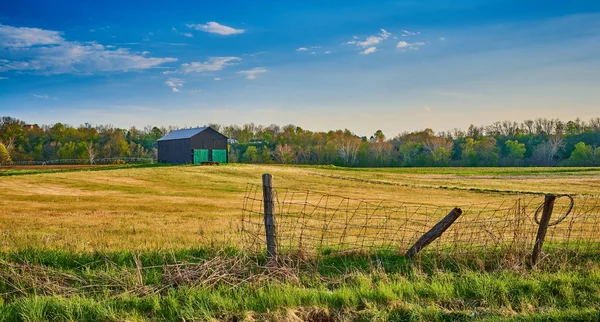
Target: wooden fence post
point(435, 232)
point(541, 234)
point(268, 200)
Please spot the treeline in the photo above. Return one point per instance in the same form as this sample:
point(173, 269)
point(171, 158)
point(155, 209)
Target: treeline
point(539, 142)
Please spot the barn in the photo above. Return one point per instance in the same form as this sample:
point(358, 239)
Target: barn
point(195, 145)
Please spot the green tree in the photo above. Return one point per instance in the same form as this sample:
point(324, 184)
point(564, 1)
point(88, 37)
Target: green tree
point(516, 150)
point(583, 154)
point(251, 155)
point(4, 156)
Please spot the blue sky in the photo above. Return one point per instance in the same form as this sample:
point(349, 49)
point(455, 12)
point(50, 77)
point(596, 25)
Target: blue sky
point(363, 65)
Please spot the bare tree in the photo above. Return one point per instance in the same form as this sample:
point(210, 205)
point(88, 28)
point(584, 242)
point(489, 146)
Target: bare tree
point(91, 151)
point(556, 143)
point(284, 153)
point(347, 147)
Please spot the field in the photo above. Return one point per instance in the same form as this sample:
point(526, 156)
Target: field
point(100, 243)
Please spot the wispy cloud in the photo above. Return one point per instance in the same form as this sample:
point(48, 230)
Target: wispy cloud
point(175, 84)
point(217, 78)
point(251, 74)
point(427, 109)
point(328, 52)
point(369, 50)
point(47, 52)
point(43, 96)
point(186, 34)
point(212, 65)
point(216, 28)
point(302, 49)
point(370, 42)
point(405, 45)
point(3, 77)
point(442, 38)
point(406, 33)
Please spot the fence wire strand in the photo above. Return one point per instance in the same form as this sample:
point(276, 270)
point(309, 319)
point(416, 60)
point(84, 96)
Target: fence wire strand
point(317, 222)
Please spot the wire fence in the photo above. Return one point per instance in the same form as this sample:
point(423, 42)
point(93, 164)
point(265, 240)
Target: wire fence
point(127, 160)
point(316, 222)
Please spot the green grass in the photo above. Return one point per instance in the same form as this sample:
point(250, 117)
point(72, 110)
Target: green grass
point(363, 287)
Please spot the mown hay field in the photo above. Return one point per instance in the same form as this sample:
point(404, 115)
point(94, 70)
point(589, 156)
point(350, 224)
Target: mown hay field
point(181, 207)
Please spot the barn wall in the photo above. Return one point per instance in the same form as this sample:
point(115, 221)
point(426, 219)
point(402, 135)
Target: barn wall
point(209, 139)
point(174, 151)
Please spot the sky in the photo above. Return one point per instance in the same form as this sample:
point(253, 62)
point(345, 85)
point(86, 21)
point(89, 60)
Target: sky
point(363, 65)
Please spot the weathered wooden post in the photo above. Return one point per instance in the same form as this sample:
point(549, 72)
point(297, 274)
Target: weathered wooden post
point(268, 201)
point(541, 234)
point(435, 232)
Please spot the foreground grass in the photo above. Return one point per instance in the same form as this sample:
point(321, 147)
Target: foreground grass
point(358, 287)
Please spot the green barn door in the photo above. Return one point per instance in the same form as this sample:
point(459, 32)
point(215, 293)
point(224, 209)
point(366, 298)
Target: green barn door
point(200, 156)
point(219, 156)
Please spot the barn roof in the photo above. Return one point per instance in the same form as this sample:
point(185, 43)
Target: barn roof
point(183, 134)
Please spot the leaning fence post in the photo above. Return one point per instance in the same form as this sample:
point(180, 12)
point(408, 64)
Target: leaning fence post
point(541, 234)
point(435, 232)
point(268, 201)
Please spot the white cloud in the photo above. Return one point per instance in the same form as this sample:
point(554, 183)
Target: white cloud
point(174, 83)
point(302, 49)
point(369, 50)
point(328, 52)
point(405, 45)
point(251, 74)
point(47, 52)
point(44, 96)
point(442, 38)
point(27, 37)
point(217, 78)
point(212, 65)
point(374, 40)
point(406, 33)
point(187, 34)
point(3, 77)
point(216, 28)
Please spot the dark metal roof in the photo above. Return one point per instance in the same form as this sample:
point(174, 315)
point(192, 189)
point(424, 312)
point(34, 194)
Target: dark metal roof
point(183, 134)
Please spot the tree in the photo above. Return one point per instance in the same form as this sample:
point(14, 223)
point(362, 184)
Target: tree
point(347, 146)
point(440, 150)
point(409, 151)
point(251, 155)
point(4, 156)
point(516, 150)
point(284, 153)
point(91, 152)
point(583, 154)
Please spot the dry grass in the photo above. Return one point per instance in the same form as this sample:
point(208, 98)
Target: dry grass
point(188, 206)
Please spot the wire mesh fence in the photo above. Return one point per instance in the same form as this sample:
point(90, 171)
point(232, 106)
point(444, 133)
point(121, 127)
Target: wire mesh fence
point(317, 222)
point(86, 161)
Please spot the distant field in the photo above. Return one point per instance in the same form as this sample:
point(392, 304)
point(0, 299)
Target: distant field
point(189, 206)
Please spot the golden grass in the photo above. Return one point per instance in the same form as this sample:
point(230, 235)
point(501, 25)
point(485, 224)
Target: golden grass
point(187, 206)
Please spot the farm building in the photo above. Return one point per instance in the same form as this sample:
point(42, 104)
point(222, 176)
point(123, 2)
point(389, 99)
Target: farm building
point(202, 144)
